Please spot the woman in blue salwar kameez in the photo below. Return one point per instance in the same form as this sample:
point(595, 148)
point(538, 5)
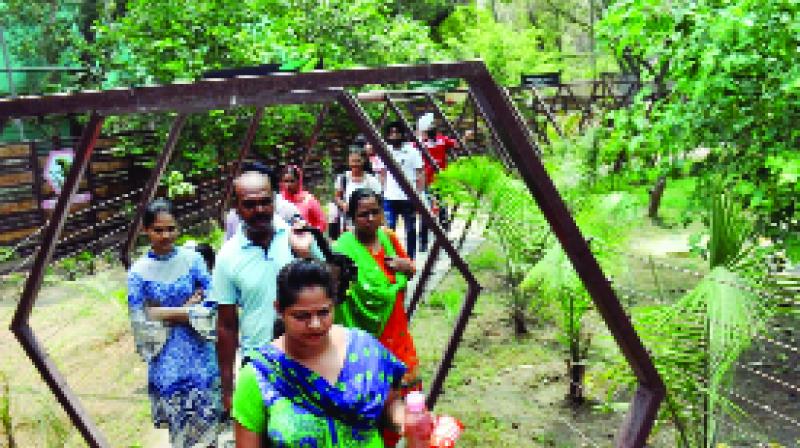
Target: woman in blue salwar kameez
point(165, 293)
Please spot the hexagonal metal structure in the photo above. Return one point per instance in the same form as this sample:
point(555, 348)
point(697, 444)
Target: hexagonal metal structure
point(504, 121)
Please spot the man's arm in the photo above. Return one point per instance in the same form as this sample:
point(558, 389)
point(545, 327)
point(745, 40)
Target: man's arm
point(420, 180)
point(227, 343)
point(300, 242)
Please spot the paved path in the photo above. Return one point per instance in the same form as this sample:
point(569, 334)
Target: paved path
point(442, 267)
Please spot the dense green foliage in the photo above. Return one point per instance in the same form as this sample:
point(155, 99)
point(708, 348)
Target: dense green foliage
point(734, 81)
point(508, 52)
point(163, 41)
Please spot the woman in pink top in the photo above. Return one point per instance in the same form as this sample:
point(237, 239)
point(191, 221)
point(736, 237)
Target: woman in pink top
point(291, 185)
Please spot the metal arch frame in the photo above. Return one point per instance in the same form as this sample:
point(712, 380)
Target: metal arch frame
point(494, 103)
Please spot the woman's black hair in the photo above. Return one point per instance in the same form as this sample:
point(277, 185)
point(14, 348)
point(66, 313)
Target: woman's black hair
point(359, 151)
point(299, 274)
point(357, 196)
point(290, 169)
point(360, 140)
point(397, 124)
point(355, 149)
point(155, 207)
point(207, 252)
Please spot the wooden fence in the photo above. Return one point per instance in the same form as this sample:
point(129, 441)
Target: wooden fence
point(112, 184)
point(114, 179)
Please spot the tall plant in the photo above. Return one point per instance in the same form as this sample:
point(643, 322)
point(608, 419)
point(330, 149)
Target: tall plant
point(553, 278)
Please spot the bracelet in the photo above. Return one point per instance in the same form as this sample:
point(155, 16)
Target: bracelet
point(413, 383)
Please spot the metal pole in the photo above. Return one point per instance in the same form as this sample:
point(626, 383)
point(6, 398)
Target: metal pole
point(12, 89)
point(236, 168)
point(450, 128)
point(150, 188)
point(644, 408)
point(353, 107)
point(312, 139)
point(424, 276)
point(20, 325)
point(9, 76)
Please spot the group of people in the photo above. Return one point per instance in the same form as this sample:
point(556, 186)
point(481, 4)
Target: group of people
point(368, 171)
point(291, 362)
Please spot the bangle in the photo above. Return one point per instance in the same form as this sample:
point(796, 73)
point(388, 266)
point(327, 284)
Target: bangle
point(413, 383)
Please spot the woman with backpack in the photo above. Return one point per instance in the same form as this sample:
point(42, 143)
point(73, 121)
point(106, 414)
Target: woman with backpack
point(349, 181)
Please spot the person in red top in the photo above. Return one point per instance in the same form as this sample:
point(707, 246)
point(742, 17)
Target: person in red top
point(291, 186)
point(438, 146)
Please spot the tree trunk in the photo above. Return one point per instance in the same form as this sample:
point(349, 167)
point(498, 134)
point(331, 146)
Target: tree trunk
point(656, 193)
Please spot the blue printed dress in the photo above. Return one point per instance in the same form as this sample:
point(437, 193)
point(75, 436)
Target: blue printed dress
point(293, 406)
point(183, 375)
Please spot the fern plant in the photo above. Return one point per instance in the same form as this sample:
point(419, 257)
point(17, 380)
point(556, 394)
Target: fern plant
point(696, 341)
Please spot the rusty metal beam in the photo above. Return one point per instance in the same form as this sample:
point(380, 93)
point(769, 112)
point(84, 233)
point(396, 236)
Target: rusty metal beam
point(498, 108)
point(424, 276)
point(312, 139)
point(236, 168)
point(168, 98)
point(150, 188)
point(384, 114)
point(241, 91)
point(357, 113)
point(433, 254)
point(499, 147)
point(437, 110)
point(547, 112)
point(19, 324)
point(492, 102)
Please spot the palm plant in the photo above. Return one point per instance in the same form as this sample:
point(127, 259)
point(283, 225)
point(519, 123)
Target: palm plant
point(696, 341)
point(553, 277)
point(481, 185)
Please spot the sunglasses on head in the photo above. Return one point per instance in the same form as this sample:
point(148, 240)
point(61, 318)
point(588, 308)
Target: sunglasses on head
point(253, 203)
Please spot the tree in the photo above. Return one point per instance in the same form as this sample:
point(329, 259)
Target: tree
point(735, 89)
point(508, 52)
point(162, 41)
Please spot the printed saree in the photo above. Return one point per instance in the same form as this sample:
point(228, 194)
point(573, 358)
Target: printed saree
point(303, 409)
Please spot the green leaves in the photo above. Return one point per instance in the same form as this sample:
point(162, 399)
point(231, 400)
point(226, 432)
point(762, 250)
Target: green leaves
point(471, 32)
point(735, 89)
point(176, 185)
point(729, 232)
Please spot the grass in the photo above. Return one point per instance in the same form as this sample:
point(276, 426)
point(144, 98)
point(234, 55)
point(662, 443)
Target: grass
point(508, 391)
point(84, 328)
point(5, 411)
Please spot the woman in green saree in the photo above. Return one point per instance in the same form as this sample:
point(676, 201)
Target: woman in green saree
point(319, 384)
point(375, 300)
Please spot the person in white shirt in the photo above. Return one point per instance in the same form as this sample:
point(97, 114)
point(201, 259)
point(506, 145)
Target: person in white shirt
point(395, 202)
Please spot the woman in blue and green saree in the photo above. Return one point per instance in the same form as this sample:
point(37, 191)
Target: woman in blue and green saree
point(318, 384)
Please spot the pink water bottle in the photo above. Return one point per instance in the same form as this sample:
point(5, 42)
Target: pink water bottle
point(419, 424)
